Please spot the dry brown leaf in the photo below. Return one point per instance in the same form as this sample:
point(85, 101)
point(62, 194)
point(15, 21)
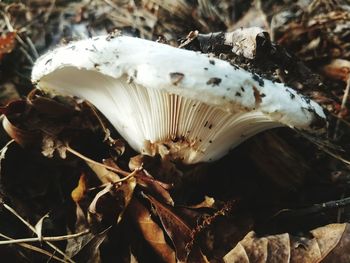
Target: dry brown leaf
point(90, 253)
point(110, 203)
point(20, 136)
point(337, 69)
point(17, 106)
point(79, 192)
point(156, 187)
point(327, 244)
point(49, 106)
point(103, 174)
point(208, 202)
point(341, 252)
point(7, 43)
point(180, 233)
point(85, 248)
point(39, 226)
point(152, 233)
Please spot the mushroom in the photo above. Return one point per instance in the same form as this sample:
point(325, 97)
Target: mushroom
point(178, 103)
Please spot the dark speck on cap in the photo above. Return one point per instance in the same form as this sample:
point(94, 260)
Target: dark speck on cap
point(258, 79)
point(214, 81)
point(176, 77)
point(48, 61)
point(292, 96)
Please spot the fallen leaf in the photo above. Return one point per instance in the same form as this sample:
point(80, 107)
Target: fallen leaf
point(152, 233)
point(208, 202)
point(117, 145)
point(103, 174)
point(79, 192)
point(341, 252)
point(156, 187)
point(39, 226)
point(337, 69)
point(23, 137)
point(85, 248)
point(20, 136)
point(49, 106)
point(179, 232)
point(76, 244)
point(89, 252)
point(327, 244)
point(16, 106)
point(7, 43)
point(110, 203)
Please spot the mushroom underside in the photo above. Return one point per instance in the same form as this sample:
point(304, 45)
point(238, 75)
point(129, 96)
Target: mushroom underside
point(156, 121)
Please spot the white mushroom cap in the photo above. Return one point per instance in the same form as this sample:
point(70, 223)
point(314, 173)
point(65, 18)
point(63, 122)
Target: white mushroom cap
point(172, 101)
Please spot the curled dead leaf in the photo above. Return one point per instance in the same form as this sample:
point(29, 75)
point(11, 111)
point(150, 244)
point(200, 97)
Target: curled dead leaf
point(327, 244)
point(152, 233)
point(22, 137)
point(39, 226)
point(49, 106)
point(103, 174)
point(85, 248)
point(158, 188)
point(110, 203)
point(79, 192)
point(180, 233)
point(337, 69)
point(208, 202)
point(17, 106)
point(7, 43)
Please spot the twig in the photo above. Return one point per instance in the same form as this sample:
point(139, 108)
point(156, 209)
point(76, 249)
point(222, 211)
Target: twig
point(37, 239)
point(32, 47)
point(132, 174)
point(316, 208)
point(34, 248)
point(10, 209)
point(24, 46)
point(323, 148)
point(340, 119)
point(87, 159)
point(26, 54)
point(11, 29)
point(49, 10)
point(343, 104)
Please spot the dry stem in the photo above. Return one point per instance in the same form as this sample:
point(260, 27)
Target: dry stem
point(114, 169)
point(37, 239)
point(10, 209)
point(34, 248)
